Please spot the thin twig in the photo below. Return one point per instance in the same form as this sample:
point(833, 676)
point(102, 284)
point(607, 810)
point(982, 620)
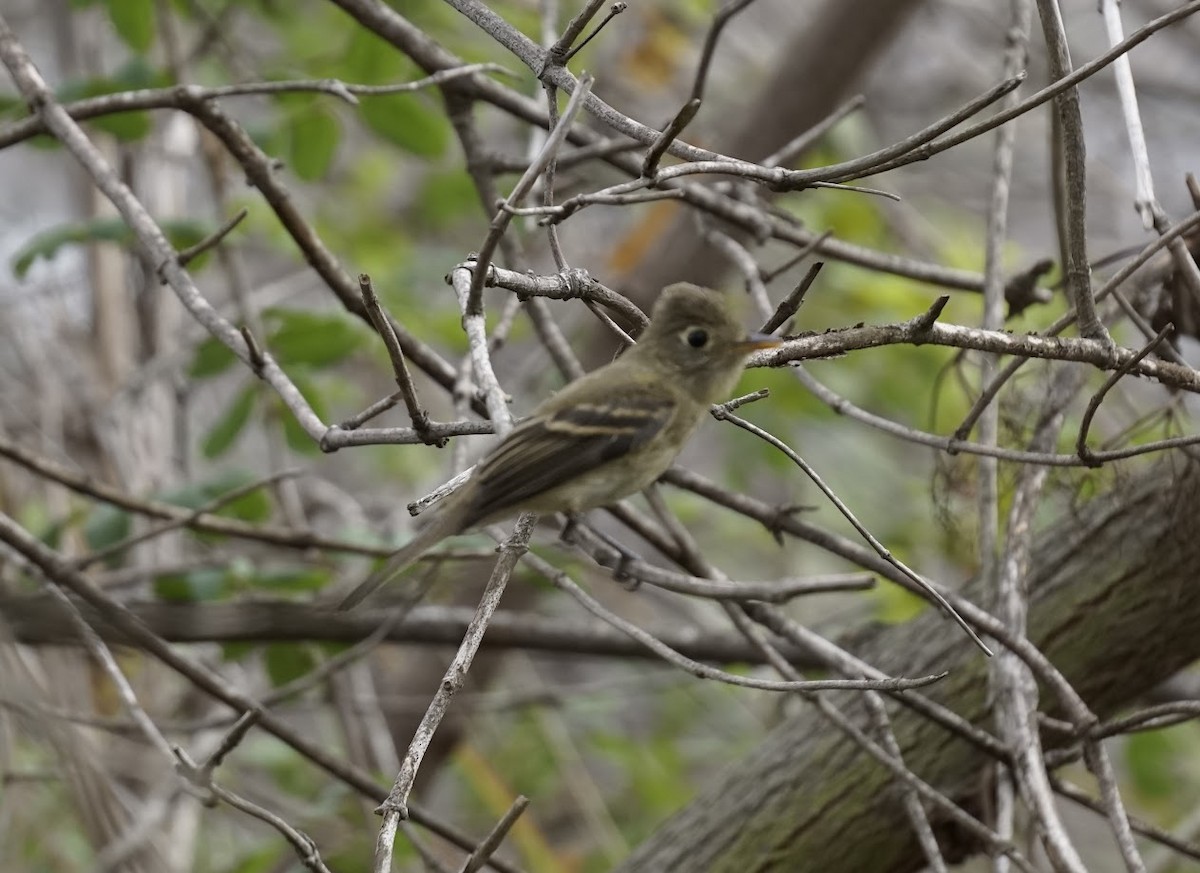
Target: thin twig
point(395, 807)
point(922, 584)
point(1081, 446)
point(158, 530)
point(499, 224)
point(416, 413)
point(489, 844)
point(213, 239)
point(790, 305)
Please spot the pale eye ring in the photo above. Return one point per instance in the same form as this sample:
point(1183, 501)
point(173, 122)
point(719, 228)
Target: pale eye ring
point(696, 337)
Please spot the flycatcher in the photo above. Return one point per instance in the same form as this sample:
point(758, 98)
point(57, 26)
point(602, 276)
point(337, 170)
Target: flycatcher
point(604, 436)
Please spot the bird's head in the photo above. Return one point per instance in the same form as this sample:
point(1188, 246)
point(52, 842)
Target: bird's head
point(695, 334)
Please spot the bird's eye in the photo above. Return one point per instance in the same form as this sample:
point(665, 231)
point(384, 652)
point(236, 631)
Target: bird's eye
point(696, 337)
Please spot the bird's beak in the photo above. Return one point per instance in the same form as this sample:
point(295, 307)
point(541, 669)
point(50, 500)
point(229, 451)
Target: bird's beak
point(755, 341)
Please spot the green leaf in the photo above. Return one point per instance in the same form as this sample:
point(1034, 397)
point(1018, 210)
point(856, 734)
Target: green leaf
point(446, 197)
point(313, 142)
point(47, 243)
point(372, 60)
point(181, 233)
point(133, 75)
point(313, 338)
point(287, 661)
point(263, 860)
point(12, 106)
point(1153, 763)
point(225, 432)
point(895, 605)
point(252, 507)
point(237, 651)
point(106, 525)
point(194, 586)
point(405, 121)
point(211, 358)
point(134, 22)
point(290, 581)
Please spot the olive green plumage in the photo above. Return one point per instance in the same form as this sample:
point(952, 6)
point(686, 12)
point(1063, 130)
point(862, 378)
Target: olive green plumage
point(604, 436)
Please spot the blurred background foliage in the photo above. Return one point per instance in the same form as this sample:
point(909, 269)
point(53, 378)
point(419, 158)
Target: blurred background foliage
point(605, 750)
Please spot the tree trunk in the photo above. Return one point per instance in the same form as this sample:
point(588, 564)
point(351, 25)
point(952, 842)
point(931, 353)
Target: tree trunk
point(1114, 606)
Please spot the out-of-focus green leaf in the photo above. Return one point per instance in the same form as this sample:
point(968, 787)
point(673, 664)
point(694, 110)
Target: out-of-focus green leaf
point(15, 108)
point(51, 535)
point(134, 22)
point(313, 142)
point(211, 358)
point(194, 586)
point(287, 661)
point(47, 243)
point(229, 426)
point(317, 339)
point(133, 75)
point(446, 197)
point(289, 581)
point(1153, 763)
point(106, 525)
point(265, 859)
point(252, 507)
point(654, 771)
point(894, 605)
point(10, 105)
point(34, 516)
point(404, 121)
point(370, 60)
point(238, 651)
point(181, 233)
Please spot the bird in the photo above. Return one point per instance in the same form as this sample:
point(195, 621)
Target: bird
point(608, 434)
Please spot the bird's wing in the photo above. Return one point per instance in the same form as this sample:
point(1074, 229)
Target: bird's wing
point(547, 450)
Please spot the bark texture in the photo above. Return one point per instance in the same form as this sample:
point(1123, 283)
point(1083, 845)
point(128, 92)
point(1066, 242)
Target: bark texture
point(1115, 606)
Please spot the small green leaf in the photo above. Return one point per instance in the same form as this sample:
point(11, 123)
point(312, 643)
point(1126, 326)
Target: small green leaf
point(125, 126)
point(51, 534)
point(314, 338)
point(211, 358)
point(895, 605)
point(446, 197)
point(237, 651)
point(1153, 763)
point(290, 581)
point(314, 138)
point(133, 75)
point(405, 121)
point(262, 860)
point(106, 525)
point(12, 106)
point(134, 22)
point(253, 507)
point(229, 426)
point(192, 587)
point(287, 661)
point(47, 243)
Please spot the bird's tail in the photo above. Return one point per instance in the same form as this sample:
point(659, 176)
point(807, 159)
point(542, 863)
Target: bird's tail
point(443, 525)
